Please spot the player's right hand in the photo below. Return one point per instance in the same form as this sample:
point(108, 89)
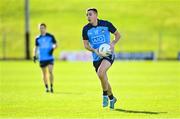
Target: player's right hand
point(97, 52)
point(34, 59)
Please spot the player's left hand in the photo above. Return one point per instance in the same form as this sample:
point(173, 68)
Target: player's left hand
point(34, 59)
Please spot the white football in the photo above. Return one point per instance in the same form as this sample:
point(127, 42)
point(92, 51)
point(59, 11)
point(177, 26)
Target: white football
point(104, 50)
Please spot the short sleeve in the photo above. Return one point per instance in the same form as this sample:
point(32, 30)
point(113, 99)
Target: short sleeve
point(84, 34)
point(111, 27)
point(53, 39)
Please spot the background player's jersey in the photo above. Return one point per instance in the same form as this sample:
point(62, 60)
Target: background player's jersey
point(97, 35)
point(45, 44)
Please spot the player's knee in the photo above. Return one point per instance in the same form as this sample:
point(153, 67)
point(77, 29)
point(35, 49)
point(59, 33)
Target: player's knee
point(101, 73)
point(50, 72)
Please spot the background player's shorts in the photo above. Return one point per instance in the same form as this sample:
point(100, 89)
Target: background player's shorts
point(45, 63)
point(109, 58)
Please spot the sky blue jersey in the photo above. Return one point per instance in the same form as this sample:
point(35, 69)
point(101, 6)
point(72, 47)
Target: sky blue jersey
point(45, 45)
point(97, 35)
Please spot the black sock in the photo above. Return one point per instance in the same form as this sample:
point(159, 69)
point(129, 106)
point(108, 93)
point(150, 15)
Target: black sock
point(105, 93)
point(51, 86)
point(46, 85)
point(111, 96)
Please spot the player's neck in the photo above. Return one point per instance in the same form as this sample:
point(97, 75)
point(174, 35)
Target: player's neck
point(95, 23)
point(43, 34)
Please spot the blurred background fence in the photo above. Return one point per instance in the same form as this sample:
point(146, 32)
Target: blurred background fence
point(144, 25)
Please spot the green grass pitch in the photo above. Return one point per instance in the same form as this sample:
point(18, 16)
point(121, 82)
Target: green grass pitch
point(143, 90)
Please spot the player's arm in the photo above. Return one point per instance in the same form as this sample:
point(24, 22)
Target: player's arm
point(54, 46)
point(35, 50)
point(89, 48)
point(54, 43)
point(34, 53)
point(116, 39)
point(114, 31)
point(86, 43)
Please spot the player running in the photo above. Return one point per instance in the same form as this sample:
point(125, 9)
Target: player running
point(95, 33)
point(45, 44)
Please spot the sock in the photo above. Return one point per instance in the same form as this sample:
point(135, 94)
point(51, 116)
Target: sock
point(105, 93)
point(46, 85)
point(51, 86)
point(111, 96)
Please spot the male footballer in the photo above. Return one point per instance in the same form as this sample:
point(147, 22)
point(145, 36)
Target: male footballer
point(95, 33)
point(45, 44)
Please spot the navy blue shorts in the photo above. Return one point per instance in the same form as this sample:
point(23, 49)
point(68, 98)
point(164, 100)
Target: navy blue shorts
point(46, 63)
point(109, 58)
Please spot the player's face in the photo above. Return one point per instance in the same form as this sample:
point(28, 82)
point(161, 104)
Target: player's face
point(42, 29)
point(91, 16)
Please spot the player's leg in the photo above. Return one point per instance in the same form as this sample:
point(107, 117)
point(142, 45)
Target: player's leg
point(101, 72)
point(110, 95)
point(51, 76)
point(45, 77)
point(107, 91)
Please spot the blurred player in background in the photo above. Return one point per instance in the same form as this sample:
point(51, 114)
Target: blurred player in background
point(95, 33)
point(45, 44)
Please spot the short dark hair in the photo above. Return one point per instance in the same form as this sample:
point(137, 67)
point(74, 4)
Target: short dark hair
point(93, 9)
point(42, 24)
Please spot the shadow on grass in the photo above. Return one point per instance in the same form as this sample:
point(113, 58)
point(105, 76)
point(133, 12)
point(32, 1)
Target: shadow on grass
point(138, 111)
